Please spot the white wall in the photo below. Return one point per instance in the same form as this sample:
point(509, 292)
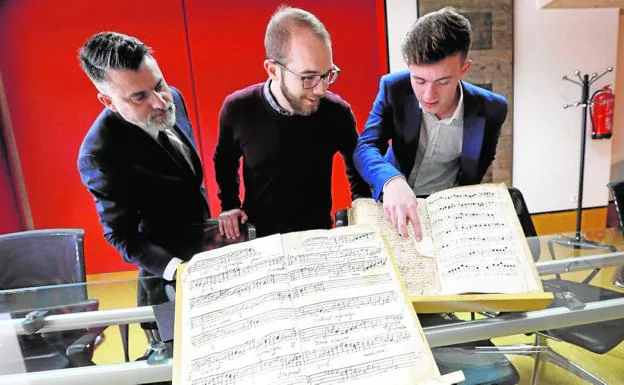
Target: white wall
point(547, 138)
point(401, 14)
point(547, 45)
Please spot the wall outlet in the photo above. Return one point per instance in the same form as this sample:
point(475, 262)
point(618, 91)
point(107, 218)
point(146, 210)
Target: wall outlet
point(574, 198)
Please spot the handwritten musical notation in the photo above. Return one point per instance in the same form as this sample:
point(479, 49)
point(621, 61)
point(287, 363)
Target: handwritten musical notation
point(363, 370)
point(316, 307)
point(414, 261)
point(475, 243)
point(477, 240)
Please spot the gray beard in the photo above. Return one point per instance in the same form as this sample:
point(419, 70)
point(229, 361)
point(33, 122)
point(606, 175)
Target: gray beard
point(168, 123)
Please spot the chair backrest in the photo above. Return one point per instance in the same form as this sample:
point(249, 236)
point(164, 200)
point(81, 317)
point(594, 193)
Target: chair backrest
point(42, 257)
point(525, 220)
point(213, 239)
point(55, 259)
point(37, 258)
point(617, 189)
point(523, 212)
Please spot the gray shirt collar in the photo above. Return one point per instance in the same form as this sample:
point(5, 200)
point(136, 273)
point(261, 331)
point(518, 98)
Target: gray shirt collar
point(266, 91)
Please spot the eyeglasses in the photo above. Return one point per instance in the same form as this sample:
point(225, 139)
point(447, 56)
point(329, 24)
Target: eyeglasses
point(310, 81)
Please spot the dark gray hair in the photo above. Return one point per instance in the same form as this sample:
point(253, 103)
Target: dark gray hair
point(111, 50)
point(280, 28)
point(436, 36)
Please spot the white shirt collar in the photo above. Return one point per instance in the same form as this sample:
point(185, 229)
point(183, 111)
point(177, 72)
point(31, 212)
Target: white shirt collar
point(458, 114)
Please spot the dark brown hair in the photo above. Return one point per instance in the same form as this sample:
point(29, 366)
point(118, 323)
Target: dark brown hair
point(436, 36)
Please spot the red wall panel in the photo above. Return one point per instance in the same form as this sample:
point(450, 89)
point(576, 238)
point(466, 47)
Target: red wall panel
point(52, 103)
point(227, 45)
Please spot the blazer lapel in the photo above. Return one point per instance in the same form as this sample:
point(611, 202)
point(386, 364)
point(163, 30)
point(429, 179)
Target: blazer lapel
point(472, 142)
point(193, 153)
point(412, 133)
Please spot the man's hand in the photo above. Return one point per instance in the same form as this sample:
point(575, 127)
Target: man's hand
point(400, 206)
point(228, 223)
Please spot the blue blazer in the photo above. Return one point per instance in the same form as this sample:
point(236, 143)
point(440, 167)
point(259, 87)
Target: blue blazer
point(151, 208)
point(387, 146)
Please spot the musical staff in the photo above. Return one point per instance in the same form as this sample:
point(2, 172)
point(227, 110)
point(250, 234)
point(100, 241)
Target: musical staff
point(210, 318)
point(238, 290)
point(367, 369)
point(238, 255)
point(244, 324)
point(231, 377)
point(320, 287)
point(236, 272)
point(345, 303)
point(337, 269)
point(388, 323)
point(354, 346)
point(261, 343)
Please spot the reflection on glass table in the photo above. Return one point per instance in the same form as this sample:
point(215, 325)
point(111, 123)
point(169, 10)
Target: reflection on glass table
point(48, 350)
point(573, 288)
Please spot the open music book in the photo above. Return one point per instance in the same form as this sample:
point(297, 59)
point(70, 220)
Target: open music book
point(472, 243)
point(314, 307)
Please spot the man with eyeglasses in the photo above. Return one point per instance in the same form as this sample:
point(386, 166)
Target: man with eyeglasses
point(287, 131)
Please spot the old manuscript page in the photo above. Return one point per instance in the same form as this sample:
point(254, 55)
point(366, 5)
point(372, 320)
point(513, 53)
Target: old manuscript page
point(415, 260)
point(315, 307)
point(479, 244)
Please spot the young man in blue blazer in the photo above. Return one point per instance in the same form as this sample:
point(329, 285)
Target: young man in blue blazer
point(429, 130)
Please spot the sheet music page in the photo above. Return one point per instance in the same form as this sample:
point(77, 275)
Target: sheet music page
point(479, 244)
point(328, 310)
point(414, 260)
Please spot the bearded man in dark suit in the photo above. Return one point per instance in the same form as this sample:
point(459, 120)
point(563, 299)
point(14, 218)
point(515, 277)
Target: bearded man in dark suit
point(139, 161)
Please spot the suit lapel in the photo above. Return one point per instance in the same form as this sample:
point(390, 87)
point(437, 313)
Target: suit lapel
point(150, 155)
point(185, 132)
point(193, 152)
point(472, 142)
point(412, 132)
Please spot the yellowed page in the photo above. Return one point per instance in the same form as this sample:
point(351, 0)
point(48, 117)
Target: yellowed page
point(479, 243)
point(317, 307)
point(415, 260)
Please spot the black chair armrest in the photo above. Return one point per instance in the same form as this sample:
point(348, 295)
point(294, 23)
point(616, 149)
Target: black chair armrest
point(81, 351)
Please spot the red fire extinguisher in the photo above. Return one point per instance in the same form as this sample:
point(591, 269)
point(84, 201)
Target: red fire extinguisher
point(602, 113)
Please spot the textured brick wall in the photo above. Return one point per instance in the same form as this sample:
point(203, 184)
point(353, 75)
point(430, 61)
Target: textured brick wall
point(492, 56)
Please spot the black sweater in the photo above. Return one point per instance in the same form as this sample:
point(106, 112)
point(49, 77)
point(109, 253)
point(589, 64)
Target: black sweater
point(287, 160)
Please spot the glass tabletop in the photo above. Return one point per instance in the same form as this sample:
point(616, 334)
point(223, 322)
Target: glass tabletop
point(30, 352)
point(570, 245)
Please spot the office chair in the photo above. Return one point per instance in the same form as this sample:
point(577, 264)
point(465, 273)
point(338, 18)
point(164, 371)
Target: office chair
point(490, 368)
point(55, 258)
point(617, 189)
point(599, 337)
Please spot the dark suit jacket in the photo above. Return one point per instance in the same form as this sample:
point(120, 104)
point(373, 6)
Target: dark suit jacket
point(151, 208)
point(396, 117)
